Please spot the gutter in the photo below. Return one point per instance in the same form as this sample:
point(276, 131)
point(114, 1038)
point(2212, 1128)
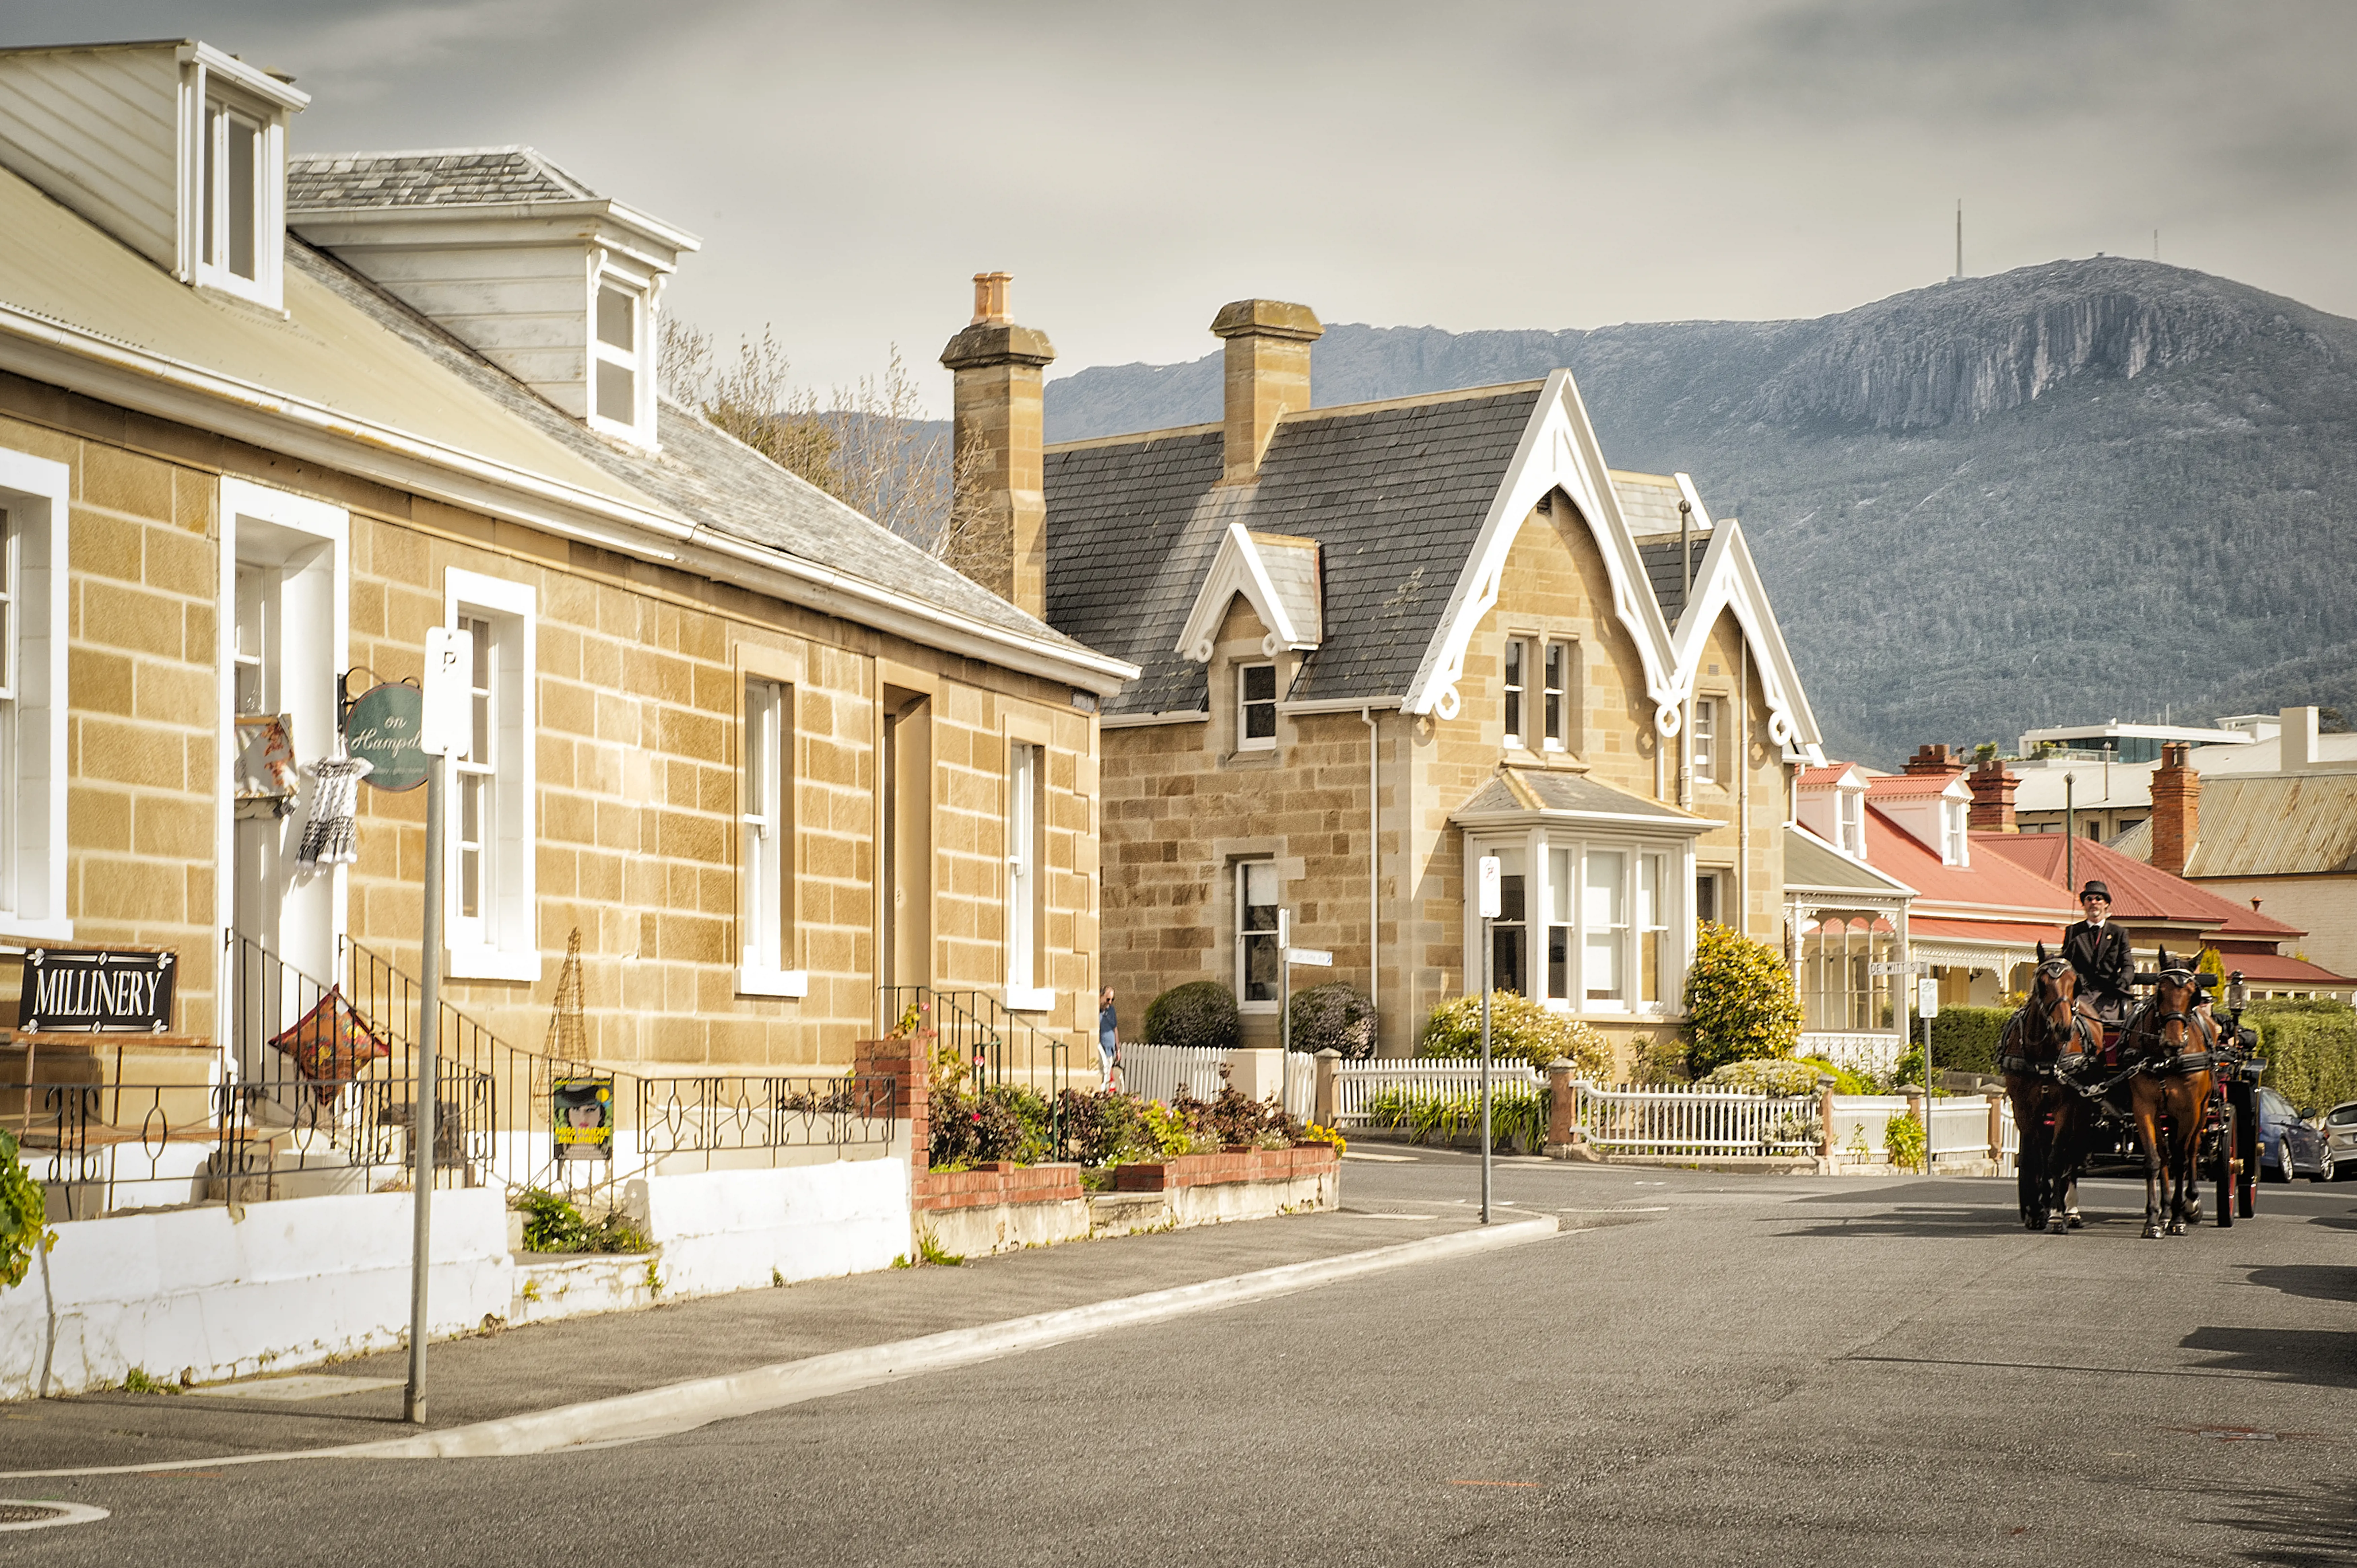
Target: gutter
point(169, 389)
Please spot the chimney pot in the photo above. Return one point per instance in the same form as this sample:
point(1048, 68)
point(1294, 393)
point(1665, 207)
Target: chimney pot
point(990, 297)
point(1267, 376)
point(1936, 760)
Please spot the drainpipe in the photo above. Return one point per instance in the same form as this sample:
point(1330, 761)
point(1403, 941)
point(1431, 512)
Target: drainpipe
point(1374, 870)
point(1742, 780)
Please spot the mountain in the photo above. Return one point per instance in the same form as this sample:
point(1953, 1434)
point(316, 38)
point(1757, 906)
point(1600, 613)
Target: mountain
point(2083, 490)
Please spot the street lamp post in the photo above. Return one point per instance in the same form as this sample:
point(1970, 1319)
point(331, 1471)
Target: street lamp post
point(1492, 905)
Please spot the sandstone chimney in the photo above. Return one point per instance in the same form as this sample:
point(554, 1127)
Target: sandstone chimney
point(995, 432)
point(1267, 375)
point(2176, 809)
point(1993, 786)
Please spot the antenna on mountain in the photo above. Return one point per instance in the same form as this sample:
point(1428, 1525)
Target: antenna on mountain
point(2155, 244)
point(1959, 275)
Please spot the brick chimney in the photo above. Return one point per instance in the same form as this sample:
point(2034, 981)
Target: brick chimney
point(1935, 760)
point(1993, 786)
point(1267, 375)
point(2176, 809)
point(995, 432)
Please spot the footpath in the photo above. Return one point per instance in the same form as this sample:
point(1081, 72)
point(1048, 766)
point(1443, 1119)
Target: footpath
point(502, 1375)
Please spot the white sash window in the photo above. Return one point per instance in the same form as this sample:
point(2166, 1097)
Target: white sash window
point(491, 910)
point(766, 821)
point(33, 517)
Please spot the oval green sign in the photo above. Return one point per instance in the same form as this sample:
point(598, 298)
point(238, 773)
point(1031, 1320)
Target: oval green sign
point(382, 731)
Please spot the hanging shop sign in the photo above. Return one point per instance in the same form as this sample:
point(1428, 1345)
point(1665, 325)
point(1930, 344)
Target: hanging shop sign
point(383, 730)
point(584, 1113)
point(104, 991)
point(264, 778)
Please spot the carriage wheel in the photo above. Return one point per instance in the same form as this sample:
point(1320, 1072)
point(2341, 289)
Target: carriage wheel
point(2226, 1168)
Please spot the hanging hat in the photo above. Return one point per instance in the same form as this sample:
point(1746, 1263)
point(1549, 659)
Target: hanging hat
point(2094, 890)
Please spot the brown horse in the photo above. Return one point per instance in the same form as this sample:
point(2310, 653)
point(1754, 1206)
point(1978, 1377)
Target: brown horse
point(2170, 1044)
point(2041, 1044)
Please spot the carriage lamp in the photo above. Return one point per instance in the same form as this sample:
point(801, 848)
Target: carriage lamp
point(2238, 995)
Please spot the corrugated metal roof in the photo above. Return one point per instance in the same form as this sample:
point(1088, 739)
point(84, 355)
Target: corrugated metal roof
point(1810, 862)
point(2140, 892)
point(2287, 824)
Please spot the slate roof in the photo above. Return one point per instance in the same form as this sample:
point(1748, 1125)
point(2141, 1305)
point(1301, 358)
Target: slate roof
point(456, 177)
point(700, 474)
point(1530, 789)
point(1395, 493)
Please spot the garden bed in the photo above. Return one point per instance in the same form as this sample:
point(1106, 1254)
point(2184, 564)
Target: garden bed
point(1228, 1165)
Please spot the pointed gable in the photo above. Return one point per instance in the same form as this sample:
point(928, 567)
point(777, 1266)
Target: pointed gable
point(1278, 576)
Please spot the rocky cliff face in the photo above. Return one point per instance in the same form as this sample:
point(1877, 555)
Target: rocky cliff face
point(2090, 489)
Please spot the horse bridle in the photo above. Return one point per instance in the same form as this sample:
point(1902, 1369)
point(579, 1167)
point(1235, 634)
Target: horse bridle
point(2080, 1027)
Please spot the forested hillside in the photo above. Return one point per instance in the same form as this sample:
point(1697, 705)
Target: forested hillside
point(2087, 489)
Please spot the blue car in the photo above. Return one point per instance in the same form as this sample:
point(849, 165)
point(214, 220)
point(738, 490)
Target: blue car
point(2288, 1145)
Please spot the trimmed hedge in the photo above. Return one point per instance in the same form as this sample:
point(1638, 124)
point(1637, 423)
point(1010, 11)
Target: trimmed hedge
point(1963, 1040)
point(2310, 1050)
point(1199, 1012)
point(1338, 1015)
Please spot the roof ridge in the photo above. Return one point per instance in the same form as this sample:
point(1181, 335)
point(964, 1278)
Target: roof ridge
point(1418, 400)
point(1169, 432)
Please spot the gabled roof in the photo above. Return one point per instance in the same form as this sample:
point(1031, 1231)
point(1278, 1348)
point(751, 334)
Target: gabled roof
point(1394, 494)
point(1910, 786)
point(1523, 794)
point(1729, 581)
point(1828, 775)
point(1277, 575)
point(2267, 824)
point(2140, 892)
point(1991, 888)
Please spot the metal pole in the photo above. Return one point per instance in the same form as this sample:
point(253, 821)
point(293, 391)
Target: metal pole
point(2070, 831)
point(1489, 949)
point(429, 994)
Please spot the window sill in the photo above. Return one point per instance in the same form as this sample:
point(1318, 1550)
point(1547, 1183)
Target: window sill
point(786, 982)
point(1030, 999)
point(12, 929)
point(491, 963)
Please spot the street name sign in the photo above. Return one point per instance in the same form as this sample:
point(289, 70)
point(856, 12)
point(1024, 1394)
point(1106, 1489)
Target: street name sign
point(1315, 958)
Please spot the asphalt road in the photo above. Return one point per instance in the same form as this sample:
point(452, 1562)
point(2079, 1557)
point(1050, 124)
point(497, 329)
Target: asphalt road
point(1707, 1370)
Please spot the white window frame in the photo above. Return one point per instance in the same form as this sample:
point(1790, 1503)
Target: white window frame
point(35, 494)
point(503, 941)
point(1555, 694)
point(1956, 828)
point(767, 828)
point(1514, 693)
point(1027, 763)
point(1244, 706)
point(212, 87)
point(1849, 822)
point(1245, 937)
point(1554, 904)
point(1702, 741)
point(638, 359)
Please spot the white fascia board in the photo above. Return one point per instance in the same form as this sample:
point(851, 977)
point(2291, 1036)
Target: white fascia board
point(1337, 705)
point(84, 362)
point(260, 84)
point(1523, 816)
point(1729, 580)
point(496, 225)
point(1237, 568)
point(1558, 451)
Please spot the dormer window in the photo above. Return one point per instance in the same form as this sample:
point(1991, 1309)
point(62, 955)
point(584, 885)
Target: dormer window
point(233, 201)
point(1849, 822)
point(617, 353)
point(1955, 846)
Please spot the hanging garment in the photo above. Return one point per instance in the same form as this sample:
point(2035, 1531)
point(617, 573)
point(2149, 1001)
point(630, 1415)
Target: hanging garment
point(328, 838)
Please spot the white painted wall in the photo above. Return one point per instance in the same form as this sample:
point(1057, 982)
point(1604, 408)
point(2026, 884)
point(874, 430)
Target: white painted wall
point(292, 1282)
point(723, 1231)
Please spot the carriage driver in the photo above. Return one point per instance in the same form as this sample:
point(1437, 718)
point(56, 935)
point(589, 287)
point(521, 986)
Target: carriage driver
point(2098, 951)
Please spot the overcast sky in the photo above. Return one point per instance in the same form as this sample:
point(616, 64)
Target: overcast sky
point(1464, 165)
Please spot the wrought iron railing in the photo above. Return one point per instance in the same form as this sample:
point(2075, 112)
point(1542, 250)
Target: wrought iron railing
point(711, 1121)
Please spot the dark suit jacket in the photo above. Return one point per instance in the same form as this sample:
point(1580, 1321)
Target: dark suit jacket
point(2101, 956)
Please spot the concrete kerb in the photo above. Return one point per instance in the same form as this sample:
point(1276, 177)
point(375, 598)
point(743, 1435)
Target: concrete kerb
point(683, 1407)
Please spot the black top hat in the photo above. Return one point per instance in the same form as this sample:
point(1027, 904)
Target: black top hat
point(2094, 890)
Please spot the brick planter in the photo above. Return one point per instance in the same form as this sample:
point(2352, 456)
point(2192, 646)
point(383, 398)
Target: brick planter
point(1003, 1182)
point(1229, 1166)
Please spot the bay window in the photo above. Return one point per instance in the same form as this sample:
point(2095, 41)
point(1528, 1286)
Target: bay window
point(1605, 915)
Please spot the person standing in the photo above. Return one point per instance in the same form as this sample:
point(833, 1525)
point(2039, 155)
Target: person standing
point(2098, 951)
point(1108, 1039)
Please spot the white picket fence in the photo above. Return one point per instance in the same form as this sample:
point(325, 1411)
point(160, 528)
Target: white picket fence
point(1159, 1072)
point(1356, 1083)
point(1678, 1119)
point(1959, 1130)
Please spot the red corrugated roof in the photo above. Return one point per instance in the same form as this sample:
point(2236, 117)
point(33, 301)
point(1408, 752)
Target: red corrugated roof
point(1991, 882)
point(1822, 775)
point(2017, 931)
point(2275, 969)
point(2140, 892)
point(1906, 785)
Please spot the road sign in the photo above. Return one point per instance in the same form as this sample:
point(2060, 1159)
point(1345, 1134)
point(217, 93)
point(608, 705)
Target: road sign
point(1493, 888)
point(1911, 966)
point(446, 726)
point(1315, 958)
point(1927, 999)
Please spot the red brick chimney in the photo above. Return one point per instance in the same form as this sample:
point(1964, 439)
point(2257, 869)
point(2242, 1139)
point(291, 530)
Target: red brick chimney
point(1993, 786)
point(1935, 760)
point(2176, 809)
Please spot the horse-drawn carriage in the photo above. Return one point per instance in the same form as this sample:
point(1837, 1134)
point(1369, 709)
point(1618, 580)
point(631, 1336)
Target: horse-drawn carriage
point(2167, 1085)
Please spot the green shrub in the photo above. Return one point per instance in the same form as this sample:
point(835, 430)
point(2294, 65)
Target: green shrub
point(24, 1216)
point(1661, 1061)
point(1199, 1012)
point(1005, 1122)
point(2310, 1050)
point(1782, 1077)
point(553, 1225)
point(1739, 1001)
point(1963, 1040)
point(1845, 1080)
point(1902, 1140)
point(1518, 1116)
point(1338, 1015)
point(1520, 1030)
